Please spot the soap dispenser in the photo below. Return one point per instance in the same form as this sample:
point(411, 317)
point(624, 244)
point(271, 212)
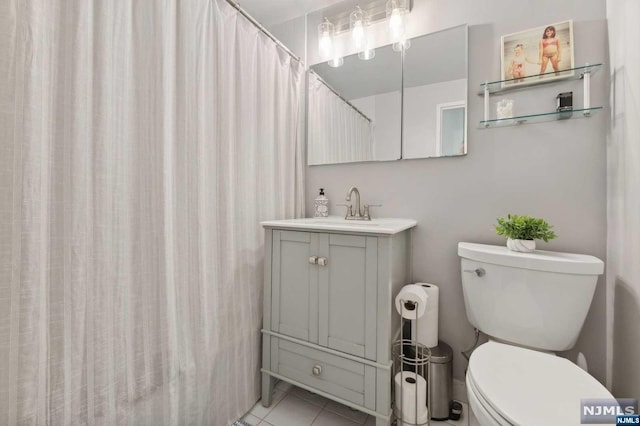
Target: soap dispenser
point(321, 205)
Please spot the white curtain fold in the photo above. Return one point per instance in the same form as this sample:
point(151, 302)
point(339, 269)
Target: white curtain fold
point(338, 133)
point(623, 201)
point(142, 143)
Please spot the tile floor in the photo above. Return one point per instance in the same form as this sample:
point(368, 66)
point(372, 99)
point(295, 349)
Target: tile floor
point(293, 406)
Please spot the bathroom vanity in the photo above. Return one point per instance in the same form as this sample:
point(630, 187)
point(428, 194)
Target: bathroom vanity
point(328, 307)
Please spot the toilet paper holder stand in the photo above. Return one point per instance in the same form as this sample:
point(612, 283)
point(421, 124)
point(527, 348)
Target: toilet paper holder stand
point(411, 360)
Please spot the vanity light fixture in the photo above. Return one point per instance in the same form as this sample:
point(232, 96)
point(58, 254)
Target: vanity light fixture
point(336, 30)
point(325, 39)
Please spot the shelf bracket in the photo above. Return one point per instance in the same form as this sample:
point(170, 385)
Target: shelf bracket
point(486, 103)
point(587, 90)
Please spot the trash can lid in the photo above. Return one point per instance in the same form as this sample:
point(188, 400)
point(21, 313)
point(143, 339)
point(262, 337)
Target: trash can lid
point(441, 354)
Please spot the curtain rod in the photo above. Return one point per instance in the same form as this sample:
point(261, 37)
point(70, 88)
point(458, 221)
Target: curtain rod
point(335, 92)
point(257, 24)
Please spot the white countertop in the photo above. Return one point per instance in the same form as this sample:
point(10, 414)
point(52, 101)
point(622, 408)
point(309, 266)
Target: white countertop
point(387, 226)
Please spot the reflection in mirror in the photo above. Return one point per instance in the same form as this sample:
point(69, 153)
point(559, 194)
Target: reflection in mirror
point(435, 95)
point(450, 138)
point(355, 110)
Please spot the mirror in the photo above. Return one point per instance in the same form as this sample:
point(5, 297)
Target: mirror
point(435, 95)
point(390, 107)
point(355, 110)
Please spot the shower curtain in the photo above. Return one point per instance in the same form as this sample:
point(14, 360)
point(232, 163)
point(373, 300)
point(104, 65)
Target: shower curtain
point(338, 133)
point(623, 202)
point(141, 143)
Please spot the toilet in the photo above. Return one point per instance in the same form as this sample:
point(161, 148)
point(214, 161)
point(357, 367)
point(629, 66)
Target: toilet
point(530, 305)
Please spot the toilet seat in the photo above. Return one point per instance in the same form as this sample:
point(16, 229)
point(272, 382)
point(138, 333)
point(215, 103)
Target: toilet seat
point(482, 410)
point(524, 387)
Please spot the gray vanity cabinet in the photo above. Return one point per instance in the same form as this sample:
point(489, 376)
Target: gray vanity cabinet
point(328, 312)
point(329, 302)
point(347, 294)
point(294, 306)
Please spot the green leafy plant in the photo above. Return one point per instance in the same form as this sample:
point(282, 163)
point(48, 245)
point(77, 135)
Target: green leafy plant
point(519, 227)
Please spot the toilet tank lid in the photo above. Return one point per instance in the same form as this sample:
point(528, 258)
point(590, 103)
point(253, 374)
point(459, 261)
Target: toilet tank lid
point(539, 260)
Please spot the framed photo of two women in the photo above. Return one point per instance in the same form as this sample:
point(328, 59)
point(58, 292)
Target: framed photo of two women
point(537, 55)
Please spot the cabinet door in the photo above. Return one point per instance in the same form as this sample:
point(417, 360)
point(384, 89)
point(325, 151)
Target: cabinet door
point(294, 306)
point(347, 294)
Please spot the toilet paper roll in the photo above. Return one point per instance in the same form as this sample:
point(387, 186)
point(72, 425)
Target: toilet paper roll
point(422, 421)
point(407, 385)
point(411, 293)
point(427, 325)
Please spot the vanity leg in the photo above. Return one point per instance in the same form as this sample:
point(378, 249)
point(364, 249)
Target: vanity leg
point(382, 422)
point(267, 389)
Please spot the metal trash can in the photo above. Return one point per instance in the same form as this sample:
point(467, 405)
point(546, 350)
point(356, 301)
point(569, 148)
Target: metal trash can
point(441, 380)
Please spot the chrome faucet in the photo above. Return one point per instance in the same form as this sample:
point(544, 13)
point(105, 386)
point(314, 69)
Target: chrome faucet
point(358, 214)
point(354, 212)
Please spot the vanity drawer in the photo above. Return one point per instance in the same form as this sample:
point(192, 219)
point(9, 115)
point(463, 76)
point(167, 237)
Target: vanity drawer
point(347, 379)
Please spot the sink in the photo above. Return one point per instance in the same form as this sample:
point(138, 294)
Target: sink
point(339, 223)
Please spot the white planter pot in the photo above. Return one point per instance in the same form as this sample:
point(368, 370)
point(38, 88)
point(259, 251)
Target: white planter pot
point(525, 246)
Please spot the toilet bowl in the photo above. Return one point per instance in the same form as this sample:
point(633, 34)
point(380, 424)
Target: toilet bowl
point(511, 385)
point(530, 305)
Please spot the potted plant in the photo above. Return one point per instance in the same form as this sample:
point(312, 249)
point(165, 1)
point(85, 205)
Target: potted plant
point(522, 231)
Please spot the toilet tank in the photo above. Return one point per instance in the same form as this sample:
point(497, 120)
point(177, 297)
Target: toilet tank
point(539, 299)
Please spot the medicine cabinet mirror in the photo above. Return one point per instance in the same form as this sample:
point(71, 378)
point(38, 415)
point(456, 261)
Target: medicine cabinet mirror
point(361, 111)
point(435, 95)
point(355, 110)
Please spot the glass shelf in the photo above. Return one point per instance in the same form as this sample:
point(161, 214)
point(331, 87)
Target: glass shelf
point(539, 118)
point(525, 82)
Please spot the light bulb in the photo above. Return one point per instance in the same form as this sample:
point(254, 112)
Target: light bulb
point(325, 45)
point(357, 34)
point(396, 12)
point(358, 21)
point(325, 39)
point(395, 20)
point(396, 24)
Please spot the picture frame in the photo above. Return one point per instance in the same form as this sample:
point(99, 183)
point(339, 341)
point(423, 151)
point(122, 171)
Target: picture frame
point(537, 55)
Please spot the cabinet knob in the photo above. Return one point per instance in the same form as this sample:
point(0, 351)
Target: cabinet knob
point(313, 260)
point(323, 261)
point(317, 370)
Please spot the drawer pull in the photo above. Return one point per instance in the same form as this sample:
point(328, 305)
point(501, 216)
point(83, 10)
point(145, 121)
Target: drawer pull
point(313, 260)
point(317, 370)
point(323, 261)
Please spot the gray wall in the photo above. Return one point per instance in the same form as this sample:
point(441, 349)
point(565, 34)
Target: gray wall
point(553, 170)
point(291, 34)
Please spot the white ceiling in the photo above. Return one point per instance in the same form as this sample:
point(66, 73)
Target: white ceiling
point(271, 12)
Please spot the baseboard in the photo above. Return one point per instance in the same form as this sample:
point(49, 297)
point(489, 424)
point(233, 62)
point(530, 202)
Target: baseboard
point(460, 390)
